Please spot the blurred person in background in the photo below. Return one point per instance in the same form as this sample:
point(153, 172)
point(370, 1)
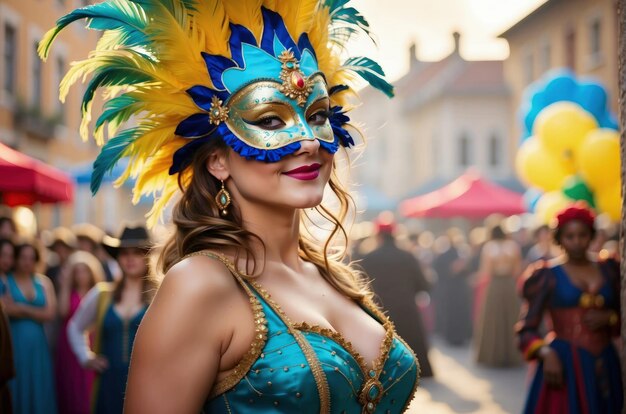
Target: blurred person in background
point(62, 244)
point(116, 310)
point(579, 368)
point(8, 229)
point(7, 370)
point(397, 278)
point(29, 301)
point(89, 238)
point(452, 295)
point(543, 248)
point(494, 336)
point(73, 382)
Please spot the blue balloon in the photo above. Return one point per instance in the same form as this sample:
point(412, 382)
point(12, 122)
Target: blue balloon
point(562, 85)
point(530, 198)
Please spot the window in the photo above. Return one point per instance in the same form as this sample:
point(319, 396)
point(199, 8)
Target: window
point(529, 66)
point(595, 37)
point(60, 70)
point(36, 83)
point(570, 49)
point(10, 49)
point(495, 150)
point(465, 151)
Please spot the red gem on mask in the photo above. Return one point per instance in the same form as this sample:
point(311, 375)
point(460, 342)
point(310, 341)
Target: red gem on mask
point(297, 80)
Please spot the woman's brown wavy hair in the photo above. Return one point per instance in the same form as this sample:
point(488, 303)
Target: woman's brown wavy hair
point(199, 226)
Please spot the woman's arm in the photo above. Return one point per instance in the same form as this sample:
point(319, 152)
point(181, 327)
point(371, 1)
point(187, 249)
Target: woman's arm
point(536, 292)
point(83, 318)
point(180, 345)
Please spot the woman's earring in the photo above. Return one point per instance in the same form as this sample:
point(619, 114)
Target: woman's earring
point(223, 199)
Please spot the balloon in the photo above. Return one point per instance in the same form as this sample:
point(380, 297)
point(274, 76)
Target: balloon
point(531, 197)
point(539, 168)
point(562, 85)
point(599, 159)
point(562, 127)
point(550, 204)
point(576, 189)
point(609, 201)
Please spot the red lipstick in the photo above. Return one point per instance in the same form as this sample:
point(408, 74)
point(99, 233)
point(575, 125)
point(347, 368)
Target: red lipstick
point(305, 173)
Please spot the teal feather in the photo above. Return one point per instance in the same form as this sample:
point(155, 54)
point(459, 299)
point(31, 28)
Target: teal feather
point(110, 154)
point(115, 71)
point(118, 109)
point(370, 71)
point(109, 15)
point(334, 5)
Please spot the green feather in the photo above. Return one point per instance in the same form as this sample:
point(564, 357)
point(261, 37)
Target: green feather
point(115, 71)
point(120, 15)
point(118, 110)
point(370, 71)
point(111, 153)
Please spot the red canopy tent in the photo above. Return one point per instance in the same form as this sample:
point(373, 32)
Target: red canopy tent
point(469, 196)
point(25, 180)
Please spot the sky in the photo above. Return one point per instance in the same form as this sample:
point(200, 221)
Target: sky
point(430, 23)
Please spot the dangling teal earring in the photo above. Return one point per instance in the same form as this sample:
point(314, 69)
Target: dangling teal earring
point(223, 199)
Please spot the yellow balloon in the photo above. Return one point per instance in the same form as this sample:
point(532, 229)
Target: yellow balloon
point(550, 204)
point(539, 168)
point(562, 127)
point(609, 201)
point(599, 159)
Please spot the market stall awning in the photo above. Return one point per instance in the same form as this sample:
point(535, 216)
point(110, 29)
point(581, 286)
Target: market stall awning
point(469, 196)
point(26, 181)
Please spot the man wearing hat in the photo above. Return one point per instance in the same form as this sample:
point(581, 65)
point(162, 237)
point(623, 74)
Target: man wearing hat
point(116, 309)
point(396, 278)
point(62, 243)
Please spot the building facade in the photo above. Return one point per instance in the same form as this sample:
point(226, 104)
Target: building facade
point(35, 122)
point(447, 116)
point(580, 35)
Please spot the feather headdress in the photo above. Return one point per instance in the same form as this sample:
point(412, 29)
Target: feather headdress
point(174, 64)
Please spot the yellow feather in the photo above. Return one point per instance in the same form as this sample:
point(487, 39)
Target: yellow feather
point(318, 36)
point(298, 15)
point(246, 13)
point(170, 188)
point(211, 19)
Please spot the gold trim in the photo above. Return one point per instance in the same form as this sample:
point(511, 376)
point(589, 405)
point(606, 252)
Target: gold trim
point(217, 112)
point(291, 76)
point(260, 331)
point(417, 376)
point(311, 357)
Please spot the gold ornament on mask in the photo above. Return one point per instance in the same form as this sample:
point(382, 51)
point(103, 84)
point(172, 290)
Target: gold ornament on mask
point(217, 112)
point(222, 198)
point(295, 85)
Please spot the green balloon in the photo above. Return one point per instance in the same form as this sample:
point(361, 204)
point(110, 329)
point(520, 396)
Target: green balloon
point(576, 189)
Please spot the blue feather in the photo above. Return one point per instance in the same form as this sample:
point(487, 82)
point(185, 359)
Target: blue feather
point(130, 20)
point(110, 154)
point(371, 72)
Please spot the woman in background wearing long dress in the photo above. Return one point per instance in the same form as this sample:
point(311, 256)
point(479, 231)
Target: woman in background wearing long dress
point(29, 301)
point(73, 381)
point(7, 370)
point(579, 368)
point(501, 263)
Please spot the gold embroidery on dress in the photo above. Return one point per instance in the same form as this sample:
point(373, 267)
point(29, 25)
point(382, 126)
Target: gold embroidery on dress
point(260, 331)
point(314, 363)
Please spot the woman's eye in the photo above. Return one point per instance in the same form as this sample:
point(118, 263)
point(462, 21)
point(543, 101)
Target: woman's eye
point(318, 118)
point(269, 122)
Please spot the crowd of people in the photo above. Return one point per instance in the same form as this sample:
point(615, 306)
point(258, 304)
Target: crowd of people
point(551, 298)
point(71, 319)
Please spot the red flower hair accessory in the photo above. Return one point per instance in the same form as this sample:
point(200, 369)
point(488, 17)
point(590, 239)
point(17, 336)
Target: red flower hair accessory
point(579, 211)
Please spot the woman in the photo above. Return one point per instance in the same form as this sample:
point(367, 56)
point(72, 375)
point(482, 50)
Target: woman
point(241, 106)
point(579, 369)
point(115, 310)
point(29, 301)
point(494, 337)
point(7, 370)
point(73, 382)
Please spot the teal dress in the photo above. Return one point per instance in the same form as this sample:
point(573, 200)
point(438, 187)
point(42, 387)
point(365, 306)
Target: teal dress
point(298, 368)
point(118, 336)
point(32, 389)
